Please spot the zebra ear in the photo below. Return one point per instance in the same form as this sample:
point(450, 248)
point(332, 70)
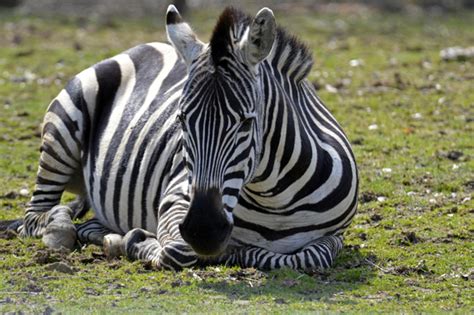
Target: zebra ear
point(181, 36)
point(258, 41)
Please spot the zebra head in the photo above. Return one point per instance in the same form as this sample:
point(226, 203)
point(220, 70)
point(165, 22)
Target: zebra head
point(221, 115)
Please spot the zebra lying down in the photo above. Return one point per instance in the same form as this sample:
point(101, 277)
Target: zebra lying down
point(196, 153)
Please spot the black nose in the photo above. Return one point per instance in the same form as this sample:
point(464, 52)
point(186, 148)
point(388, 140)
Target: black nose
point(206, 227)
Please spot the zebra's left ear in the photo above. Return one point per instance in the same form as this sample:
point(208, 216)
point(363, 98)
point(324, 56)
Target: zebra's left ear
point(258, 41)
point(181, 36)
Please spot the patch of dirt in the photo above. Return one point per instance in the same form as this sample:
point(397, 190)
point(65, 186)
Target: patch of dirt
point(44, 257)
point(469, 184)
point(8, 235)
point(408, 239)
point(420, 269)
point(376, 217)
point(367, 196)
point(453, 155)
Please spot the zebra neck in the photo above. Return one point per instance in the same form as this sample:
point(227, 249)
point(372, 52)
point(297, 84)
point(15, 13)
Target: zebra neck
point(290, 57)
point(289, 143)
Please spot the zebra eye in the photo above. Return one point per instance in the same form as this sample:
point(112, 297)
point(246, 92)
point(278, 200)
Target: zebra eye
point(246, 124)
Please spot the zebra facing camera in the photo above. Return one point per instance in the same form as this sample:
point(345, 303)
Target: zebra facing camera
point(256, 172)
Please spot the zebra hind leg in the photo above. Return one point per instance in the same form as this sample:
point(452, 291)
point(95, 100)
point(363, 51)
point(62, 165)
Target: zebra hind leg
point(59, 167)
point(79, 206)
point(92, 232)
point(319, 254)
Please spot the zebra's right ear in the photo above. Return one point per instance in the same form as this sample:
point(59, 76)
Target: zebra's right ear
point(181, 36)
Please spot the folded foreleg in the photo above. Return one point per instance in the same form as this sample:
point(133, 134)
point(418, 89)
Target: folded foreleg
point(321, 253)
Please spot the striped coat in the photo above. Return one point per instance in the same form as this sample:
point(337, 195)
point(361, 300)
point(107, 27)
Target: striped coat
point(139, 135)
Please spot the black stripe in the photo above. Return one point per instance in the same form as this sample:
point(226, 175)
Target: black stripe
point(46, 147)
point(108, 78)
point(71, 125)
point(74, 89)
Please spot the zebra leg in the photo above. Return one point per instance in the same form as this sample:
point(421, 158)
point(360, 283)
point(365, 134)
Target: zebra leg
point(79, 206)
point(166, 249)
point(59, 169)
point(59, 232)
point(139, 244)
point(92, 232)
point(321, 253)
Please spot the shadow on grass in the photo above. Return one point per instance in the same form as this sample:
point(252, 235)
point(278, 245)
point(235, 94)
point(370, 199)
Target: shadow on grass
point(351, 270)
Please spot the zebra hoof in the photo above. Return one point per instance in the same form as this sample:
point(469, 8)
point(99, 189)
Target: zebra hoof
point(60, 233)
point(113, 246)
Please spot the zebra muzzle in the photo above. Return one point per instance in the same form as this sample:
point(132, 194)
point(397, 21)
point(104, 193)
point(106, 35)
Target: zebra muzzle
point(206, 226)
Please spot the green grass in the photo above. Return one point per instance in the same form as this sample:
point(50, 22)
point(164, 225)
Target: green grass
point(410, 251)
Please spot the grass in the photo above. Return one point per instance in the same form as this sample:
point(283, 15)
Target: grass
point(409, 115)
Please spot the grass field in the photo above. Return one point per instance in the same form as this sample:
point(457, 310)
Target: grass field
point(409, 115)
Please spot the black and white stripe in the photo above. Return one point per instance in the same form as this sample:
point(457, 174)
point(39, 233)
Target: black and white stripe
point(153, 137)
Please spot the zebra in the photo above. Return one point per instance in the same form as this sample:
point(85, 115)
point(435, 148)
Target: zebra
point(197, 153)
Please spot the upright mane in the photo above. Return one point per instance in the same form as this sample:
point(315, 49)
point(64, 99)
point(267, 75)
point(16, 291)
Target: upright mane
point(289, 55)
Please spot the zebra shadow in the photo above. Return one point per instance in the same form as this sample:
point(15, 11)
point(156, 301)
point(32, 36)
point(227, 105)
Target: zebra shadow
point(352, 270)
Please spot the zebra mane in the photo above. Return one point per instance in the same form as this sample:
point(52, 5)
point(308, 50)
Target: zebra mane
point(289, 55)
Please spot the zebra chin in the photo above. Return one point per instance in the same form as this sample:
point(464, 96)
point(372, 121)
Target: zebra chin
point(206, 227)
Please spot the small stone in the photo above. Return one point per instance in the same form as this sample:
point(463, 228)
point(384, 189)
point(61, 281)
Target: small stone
point(373, 127)
point(331, 89)
point(376, 217)
point(356, 63)
point(24, 192)
point(48, 311)
point(454, 155)
point(457, 53)
point(381, 199)
point(417, 116)
point(363, 236)
point(280, 301)
point(387, 170)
